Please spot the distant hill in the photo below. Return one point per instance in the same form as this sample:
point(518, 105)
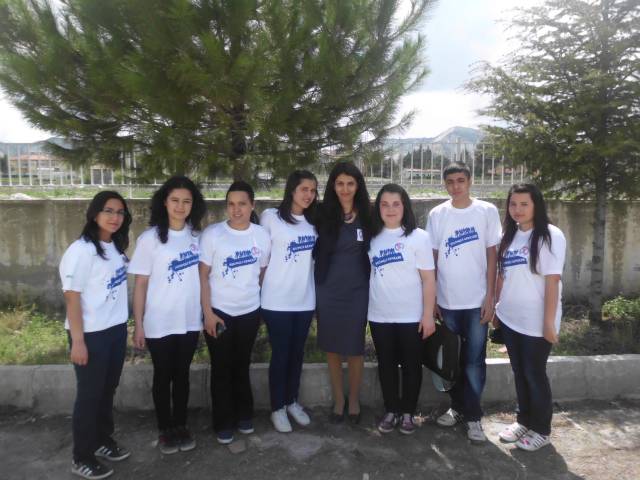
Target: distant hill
point(468, 135)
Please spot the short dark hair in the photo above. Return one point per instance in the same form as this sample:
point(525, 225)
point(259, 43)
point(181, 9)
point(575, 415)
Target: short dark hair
point(457, 167)
point(284, 210)
point(408, 218)
point(241, 186)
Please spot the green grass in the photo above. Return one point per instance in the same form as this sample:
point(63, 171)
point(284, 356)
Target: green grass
point(32, 336)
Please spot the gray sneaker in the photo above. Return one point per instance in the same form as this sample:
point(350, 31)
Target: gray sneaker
point(168, 442)
point(185, 440)
point(475, 433)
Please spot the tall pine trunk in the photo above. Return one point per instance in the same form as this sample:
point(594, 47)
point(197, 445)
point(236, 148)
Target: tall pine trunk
point(597, 260)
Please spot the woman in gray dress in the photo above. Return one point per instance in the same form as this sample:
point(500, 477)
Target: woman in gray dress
point(342, 282)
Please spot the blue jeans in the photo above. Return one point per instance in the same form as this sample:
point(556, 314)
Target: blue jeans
point(288, 333)
point(97, 382)
point(467, 391)
point(528, 357)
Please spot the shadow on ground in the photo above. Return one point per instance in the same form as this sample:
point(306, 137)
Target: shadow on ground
point(591, 440)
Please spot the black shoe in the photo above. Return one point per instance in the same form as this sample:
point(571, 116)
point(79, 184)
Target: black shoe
point(112, 451)
point(354, 418)
point(338, 418)
point(168, 441)
point(90, 469)
point(185, 440)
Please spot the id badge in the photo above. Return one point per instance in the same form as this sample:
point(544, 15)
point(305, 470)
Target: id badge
point(359, 234)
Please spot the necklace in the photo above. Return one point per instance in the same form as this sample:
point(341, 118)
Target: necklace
point(347, 216)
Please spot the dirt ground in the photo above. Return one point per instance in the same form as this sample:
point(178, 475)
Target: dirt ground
point(591, 440)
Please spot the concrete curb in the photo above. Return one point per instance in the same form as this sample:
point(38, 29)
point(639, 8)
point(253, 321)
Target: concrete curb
point(52, 388)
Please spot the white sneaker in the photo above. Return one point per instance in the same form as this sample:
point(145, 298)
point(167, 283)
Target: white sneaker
point(533, 441)
point(449, 419)
point(474, 432)
point(280, 420)
point(298, 414)
point(513, 432)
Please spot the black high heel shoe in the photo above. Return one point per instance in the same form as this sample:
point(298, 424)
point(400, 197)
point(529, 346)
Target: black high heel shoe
point(338, 418)
point(354, 418)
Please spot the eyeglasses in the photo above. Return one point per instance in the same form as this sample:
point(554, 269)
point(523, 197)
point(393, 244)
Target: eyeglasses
point(110, 212)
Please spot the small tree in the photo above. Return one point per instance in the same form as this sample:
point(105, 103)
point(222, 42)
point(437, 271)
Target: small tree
point(191, 85)
point(570, 99)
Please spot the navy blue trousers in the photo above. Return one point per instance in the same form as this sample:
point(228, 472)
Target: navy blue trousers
point(288, 333)
point(528, 356)
point(97, 382)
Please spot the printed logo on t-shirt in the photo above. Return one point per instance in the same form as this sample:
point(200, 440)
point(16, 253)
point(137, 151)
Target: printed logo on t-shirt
point(516, 257)
point(194, 248)
point(241, 258)
point(304, 242)
point(463, 235)
point(386, 256)
point(116, 280)
point(186, 259)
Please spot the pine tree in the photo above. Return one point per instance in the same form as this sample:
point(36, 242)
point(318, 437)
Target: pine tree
point(195, 86)
point(568, 100)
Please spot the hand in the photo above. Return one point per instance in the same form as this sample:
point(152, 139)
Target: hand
point(138, 338)
point(486, 312)
point(437, 312)
point(79, 353)
point(549, 334)
point(211, 320)
point(496, 321)
point(427, 326)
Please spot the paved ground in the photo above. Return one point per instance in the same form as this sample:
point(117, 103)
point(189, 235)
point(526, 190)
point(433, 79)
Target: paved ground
point(591, 440)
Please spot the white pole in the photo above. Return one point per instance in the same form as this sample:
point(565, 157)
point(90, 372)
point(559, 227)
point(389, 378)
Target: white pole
point(50, 169)
point(19, 168)
point(29, 164)
point(421, 162)
point(9, 167)
point(39, 166)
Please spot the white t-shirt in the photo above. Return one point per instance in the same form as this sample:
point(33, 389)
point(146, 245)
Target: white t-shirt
point(288, 284)
point(235, 258)
point(173, 294)
point(395, 287)
point(521, 305)
point(462, 236)
point(102, 284)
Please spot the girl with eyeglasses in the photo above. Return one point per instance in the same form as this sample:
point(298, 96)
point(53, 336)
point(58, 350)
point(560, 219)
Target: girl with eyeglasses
point(166, 303)
point(93, 271)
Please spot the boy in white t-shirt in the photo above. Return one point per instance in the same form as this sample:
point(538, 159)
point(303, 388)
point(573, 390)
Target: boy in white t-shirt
point(464, 233)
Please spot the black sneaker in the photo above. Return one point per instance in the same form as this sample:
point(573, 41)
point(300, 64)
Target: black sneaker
point(185, 440)
point(90, 469)
point(168, 442)
point(112, 451)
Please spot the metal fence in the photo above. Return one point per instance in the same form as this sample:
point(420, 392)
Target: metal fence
point(403, 162)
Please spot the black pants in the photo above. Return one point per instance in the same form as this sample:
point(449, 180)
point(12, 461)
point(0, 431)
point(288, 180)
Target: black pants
point(231, 397)
point(97, 382)
point(528, 357)
point(172, 357)
point(399, 344)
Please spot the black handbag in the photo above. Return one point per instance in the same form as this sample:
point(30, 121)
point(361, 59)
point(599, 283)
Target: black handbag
point(495, 334)
point(441, 355)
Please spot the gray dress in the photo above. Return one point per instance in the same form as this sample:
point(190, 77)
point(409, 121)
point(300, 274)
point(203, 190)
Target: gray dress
point(342, 299)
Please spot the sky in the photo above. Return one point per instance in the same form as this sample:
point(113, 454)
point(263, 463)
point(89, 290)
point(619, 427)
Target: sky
point(459, 33)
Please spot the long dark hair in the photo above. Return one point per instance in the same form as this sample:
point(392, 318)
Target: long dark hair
point(331, 210)
point(241, 186)
point(408, 219)
point(541, 222)
point(91, 230)
point(284, 210)
point(159, 215)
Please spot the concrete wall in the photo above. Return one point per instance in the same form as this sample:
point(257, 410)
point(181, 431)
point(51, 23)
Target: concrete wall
point(52, 388)
point(34, 235)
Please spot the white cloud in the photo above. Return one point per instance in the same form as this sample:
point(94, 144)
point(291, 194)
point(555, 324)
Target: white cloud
point(441, 110)
point(14, 128)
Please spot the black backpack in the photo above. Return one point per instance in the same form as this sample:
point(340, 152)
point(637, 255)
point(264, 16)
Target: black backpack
point(441, 355)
